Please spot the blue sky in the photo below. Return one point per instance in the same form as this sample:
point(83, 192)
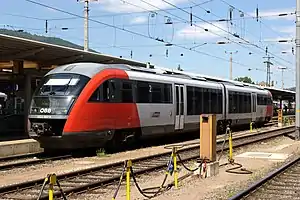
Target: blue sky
point(148, 18)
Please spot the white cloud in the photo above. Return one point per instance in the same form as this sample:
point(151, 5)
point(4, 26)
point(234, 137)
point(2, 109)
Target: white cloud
point(272, 14)
point(195, 32)
point(139, 20)
point(291, 30)
point(119, 6)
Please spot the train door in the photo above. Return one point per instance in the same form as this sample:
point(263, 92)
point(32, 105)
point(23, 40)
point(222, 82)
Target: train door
point(179, 107)
point(253, 106)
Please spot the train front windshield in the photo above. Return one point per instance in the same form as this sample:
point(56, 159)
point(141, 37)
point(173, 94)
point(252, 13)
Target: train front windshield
point(56, 93)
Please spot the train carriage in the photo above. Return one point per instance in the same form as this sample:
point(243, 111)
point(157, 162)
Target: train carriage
point(94, 105)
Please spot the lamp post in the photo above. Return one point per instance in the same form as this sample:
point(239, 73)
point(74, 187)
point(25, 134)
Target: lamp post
point(230, 60)
point(282, 70)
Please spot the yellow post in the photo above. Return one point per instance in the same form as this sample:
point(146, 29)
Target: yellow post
point(52, 181)
point(175, 167)
point(280, 118)
point(128, 166)
point(251, 123)
point(230, 147)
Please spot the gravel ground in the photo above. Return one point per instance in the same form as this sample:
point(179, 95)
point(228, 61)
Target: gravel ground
point(221, 186)
point(37, 171)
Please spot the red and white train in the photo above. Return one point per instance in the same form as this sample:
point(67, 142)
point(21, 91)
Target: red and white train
point(93, 105)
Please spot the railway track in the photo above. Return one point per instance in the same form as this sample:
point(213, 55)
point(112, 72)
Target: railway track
point(283, 183)
point(26, 160)
point(7, 163)
point(95, 177)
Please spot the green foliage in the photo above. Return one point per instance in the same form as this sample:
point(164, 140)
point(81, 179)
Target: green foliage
point(101, 152)
point(245, 79)
point(40, 38)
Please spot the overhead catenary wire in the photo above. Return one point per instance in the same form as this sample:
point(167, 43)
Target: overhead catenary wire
point(231, 19)
point(225, 31)
point(260, 17)
point(198, 25)
point(136, 33)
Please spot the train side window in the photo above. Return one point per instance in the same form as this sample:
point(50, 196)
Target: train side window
point(104, 92)
point(206, 101)
point(241, 102)
point(249, 103)
point(95, 96)
point(126, 92)
point(190, 101)
point(233, 102)
point(198, 101)
point(167, 97)
point(143, 92)
point(214, 101)
point(156, 93)
point(220, 101)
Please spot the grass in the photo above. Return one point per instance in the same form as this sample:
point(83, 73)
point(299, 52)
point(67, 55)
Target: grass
point(101, 152)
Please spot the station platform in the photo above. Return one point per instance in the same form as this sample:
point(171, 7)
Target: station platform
point(19, 147)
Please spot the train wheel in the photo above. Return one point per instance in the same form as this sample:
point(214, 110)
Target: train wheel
point(115, 144)
point(125, 139)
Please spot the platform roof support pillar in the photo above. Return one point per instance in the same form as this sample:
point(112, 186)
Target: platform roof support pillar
point(297, 133)
point(27, 99)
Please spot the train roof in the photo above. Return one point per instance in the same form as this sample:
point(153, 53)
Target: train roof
point(91, 69)
point(86, 69)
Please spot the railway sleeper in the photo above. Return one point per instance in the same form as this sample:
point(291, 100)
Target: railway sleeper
point(107, 176)
point(262, 196)
point(287, 180)
point(19, 196)
point(289, 188)
point(281, 192)
point(284, 183)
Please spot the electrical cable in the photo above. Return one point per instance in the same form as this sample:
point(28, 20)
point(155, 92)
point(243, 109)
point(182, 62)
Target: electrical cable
point(197, 26)
point(252, 17)
point(135, 33)
point(225, 31)
point(260, 22)
point(242, 28)
point(200, 26)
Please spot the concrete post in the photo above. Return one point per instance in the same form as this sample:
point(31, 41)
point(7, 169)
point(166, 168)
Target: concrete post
point(27, 99)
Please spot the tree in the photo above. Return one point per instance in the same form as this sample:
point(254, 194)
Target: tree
point(245, 79)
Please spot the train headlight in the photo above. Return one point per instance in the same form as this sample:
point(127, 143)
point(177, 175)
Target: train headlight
point(61, 111)
point(34, 110)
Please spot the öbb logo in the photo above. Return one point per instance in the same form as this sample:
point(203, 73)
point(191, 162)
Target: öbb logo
point(45, 110)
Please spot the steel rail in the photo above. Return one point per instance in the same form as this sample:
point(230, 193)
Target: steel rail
point(264, 180)
point(22, 156)
point(81, 180)
point(31, 162)
point(12, 161)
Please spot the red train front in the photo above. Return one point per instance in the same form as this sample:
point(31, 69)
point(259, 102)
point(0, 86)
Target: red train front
point(66, 112)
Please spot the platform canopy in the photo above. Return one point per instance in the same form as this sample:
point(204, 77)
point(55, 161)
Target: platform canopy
point(46, 54)
point(282, 94)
